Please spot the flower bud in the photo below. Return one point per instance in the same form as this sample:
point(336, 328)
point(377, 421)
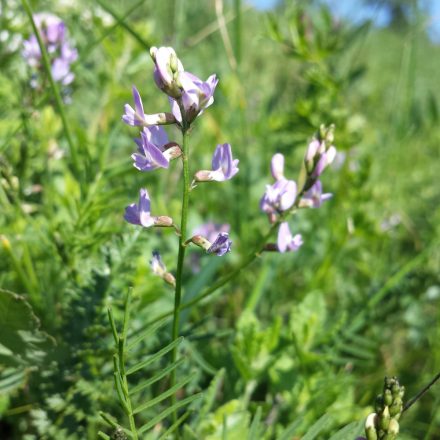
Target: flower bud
point(396, 407)
point(384, 418)
point(277, 166)
point(159, 269)
point(163, 221)
point(370, 427)
point(169, 279)
point(388, 397)
point(393, 427)
point(200, 241)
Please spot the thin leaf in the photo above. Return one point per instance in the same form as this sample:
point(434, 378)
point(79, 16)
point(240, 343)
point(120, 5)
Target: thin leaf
point(147, 332)
point(168, 411)
point(156, 377)
point(154, 357)
point(290, 430)
point(255, 426)
point(164, 395)
point(350, 431)
point(317, 427)
point(113, 325)
point(109, 419)
point(174, 426)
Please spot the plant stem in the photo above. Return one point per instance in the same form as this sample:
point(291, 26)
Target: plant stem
point(223, 280)
point(180, 257)
point(420, 393)
point(55, 90)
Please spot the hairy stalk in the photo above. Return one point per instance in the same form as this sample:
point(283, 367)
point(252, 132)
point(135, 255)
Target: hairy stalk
point(181, 256)
point(55, 90)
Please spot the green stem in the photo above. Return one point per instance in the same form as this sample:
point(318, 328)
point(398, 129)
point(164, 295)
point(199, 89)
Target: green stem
point(55, 90)
point(181, 256)
point(225, 279)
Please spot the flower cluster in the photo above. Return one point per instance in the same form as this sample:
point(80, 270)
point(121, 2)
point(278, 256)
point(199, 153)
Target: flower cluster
point(383, 424)
point(188, 97)
point(282, 197)
point(59, 49)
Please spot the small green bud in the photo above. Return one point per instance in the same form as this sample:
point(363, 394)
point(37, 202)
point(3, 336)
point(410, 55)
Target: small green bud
point(384, 418)
point(173, 63)
point(393, 428)
point(396, 407)
point(388, 397)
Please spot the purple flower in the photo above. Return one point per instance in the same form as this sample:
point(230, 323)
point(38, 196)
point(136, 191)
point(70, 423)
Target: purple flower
point(224, 167)
point(221, 245)
point(211, 230)
point(137, 116)
point(157, 265)
point(278, 197)
point(314, 197)
point(277, 166)
point(61, 55)
point(318, 157)
point(287, 242)
point(197, 95)
point(324, 161)
point(61, 71)
point(167, 68)
point(158, 268)
point(154, 150)
point(140, 214)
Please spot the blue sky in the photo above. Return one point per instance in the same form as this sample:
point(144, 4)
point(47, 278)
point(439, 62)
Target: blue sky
point(356, 11)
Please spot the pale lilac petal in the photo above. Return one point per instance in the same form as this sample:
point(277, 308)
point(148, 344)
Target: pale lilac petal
point(155, 155)
point(144, 201)
point(138, 102)
point(157, 136)
point(175, 110)
point(285, 241)
point(312, 150)
point(288, 195)
point(284, 237)
point(277, 166)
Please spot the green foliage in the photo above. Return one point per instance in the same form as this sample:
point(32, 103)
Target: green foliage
point(295, 345)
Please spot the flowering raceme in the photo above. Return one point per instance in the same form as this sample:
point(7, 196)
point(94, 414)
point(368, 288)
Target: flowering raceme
point(188, 96)
point(61, 54)
point(283, 197)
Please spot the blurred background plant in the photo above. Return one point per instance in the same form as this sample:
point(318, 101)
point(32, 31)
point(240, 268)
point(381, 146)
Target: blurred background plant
point(300, 343)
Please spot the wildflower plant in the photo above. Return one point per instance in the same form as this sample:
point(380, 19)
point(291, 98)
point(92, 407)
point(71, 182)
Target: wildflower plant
point(189, 97)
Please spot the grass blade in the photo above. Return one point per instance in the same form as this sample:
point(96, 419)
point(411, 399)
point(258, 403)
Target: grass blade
point(317, 427)
point(255, 426)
